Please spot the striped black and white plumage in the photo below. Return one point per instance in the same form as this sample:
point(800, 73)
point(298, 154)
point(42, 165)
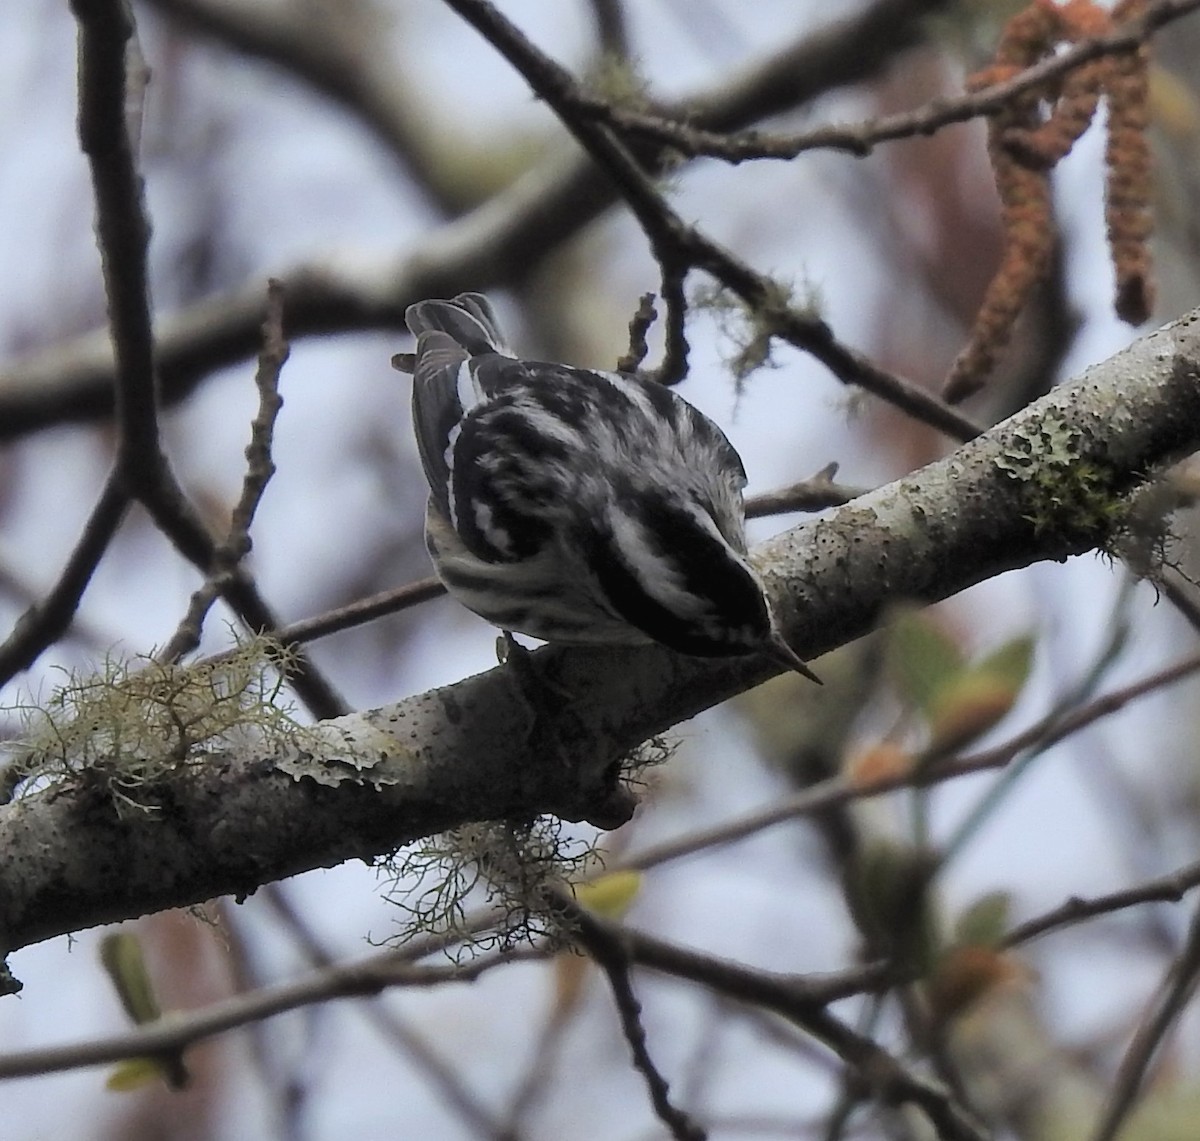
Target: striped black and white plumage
point(576, 505)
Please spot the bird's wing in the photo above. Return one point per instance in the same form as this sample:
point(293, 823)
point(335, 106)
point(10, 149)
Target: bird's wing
point(449, 385)
point(440, 383)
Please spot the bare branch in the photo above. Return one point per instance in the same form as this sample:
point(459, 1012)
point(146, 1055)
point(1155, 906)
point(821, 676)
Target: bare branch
point(861, 138)
point(610, 957)
point(612, 27)
point(41, 625)
point(105, 31)
point(796, 999)
point(836, 791)
point(679, 247)
point(178, 519)
point(517, 228)
point(1166, 1009)
point(639, 326)
point(1165, 889)
point(175, 1032)
point(813, 494)
point(259, 469)
point(360, 612)
point(1181, 599)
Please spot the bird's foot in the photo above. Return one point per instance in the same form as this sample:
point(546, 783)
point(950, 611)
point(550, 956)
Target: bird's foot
point(537, 692)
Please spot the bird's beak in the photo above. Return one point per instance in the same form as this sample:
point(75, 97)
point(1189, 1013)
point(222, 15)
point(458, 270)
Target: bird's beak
point(778, 649)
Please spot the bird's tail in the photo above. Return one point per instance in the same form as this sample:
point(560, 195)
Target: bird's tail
point(468, 319)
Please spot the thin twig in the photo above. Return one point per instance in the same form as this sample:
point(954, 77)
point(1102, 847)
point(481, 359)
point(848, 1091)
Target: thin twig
point(860, 139)
point(1165, 889)
point(836, 791)
point(1165, 1010)
point(795, 999)
point(1181, 599)
point(768, 988)
point(177, 1031)
point(358, 613)
point(610, 957)
point(556, 85)
point(1082, 690)
point(123, 233)
point(674, 268)
point(260, 467)
point(179, 521)
point(43, 624)
point(353, 614)
point(612, 28)
point(1057, 727)
point(679, 247)
point(639, 326)
point(814, 494)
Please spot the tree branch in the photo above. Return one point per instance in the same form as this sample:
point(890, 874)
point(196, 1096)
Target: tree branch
point(506, 236)
point(1164, 889)
point(838, 790)
point(861, 138)
point(105, 34)
point(42, 624)
point(678, 247)
point(802, 1002)
point(260, 467)
point(1165, 1010)
point(362, 785)
point(178, 1030)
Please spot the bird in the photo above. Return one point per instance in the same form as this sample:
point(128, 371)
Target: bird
point(576, 505)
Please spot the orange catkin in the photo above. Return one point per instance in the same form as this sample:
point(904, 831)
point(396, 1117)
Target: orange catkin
point(1127, 159)
point(1028, 137)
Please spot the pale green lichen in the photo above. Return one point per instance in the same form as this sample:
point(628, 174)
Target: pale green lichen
point(1065, 491)
point(513, 867)
point(349, 750)
point(751, 332)
point(618, 81)
point(1146, 538)
point(506, 865)
point(133, 722)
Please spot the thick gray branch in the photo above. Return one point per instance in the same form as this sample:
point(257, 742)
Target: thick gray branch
point(476, 750)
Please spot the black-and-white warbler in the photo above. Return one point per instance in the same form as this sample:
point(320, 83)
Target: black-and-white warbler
point(576, 505)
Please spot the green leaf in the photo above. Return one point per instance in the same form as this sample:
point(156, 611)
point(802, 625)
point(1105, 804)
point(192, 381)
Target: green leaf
point(1011, 663)
point(966, 709)
point(121, 954)
point(968, 705)
point(985, 922)
point(133, 1074)
point(890, 895)
point(923, 660)
point(611, 894)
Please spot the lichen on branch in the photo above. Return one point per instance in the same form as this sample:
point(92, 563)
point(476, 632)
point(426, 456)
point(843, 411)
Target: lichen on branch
point(134, 722)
